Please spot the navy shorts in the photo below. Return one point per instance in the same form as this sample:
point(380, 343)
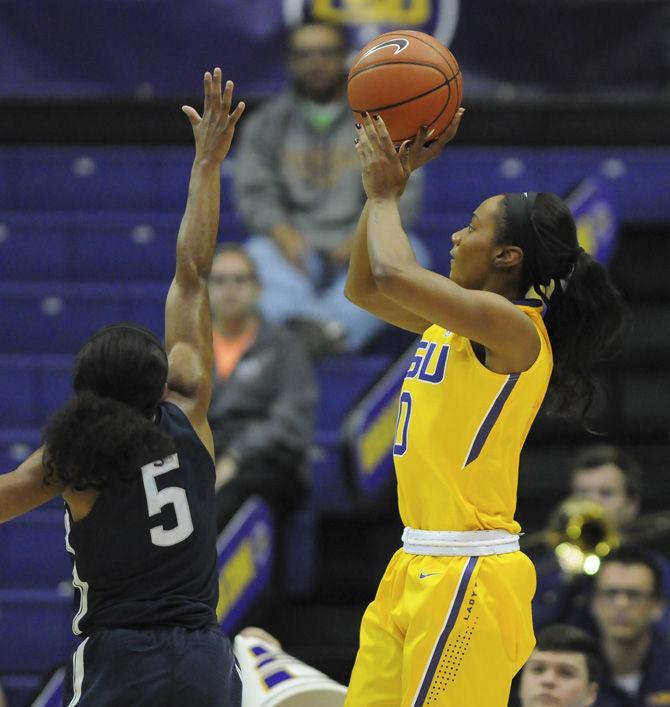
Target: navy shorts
point(158, 667)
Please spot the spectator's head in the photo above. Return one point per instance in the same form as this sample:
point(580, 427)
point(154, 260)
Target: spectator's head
point(563, 670)
point(234, 288)
point(317, 54)
point(606, 474)
point(628, 595)
point(125, 362)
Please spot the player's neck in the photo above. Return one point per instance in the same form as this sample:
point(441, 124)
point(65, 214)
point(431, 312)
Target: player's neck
point(503, 287)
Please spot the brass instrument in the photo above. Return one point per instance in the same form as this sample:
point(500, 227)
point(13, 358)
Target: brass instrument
point(581, 532)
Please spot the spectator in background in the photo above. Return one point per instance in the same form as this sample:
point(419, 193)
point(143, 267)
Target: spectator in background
point(564, 669)
point(609, 476)
point(3, 700)
point(263, 397)
point(627, 604)
point(299, 191)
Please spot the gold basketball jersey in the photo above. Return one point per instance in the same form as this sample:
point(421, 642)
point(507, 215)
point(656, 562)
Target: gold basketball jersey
point(460, 431)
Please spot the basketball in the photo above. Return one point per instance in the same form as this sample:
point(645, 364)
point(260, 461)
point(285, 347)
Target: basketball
point(410, 79)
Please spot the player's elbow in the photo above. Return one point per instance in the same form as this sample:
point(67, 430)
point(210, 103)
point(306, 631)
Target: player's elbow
point(360, 294)
point(388, 277)
point(353, 293)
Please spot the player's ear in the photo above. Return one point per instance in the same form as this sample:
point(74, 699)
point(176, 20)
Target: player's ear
point(507, 256)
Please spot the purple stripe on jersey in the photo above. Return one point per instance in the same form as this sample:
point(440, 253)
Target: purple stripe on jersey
point(259, 650)
point(444, 636)
point(490, 419)
point(276, 678)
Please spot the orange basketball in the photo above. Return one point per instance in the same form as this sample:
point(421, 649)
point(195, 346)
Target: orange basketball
point(409, 78)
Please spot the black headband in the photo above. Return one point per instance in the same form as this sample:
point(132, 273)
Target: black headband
point(522, 232)
point(147, 334)
point(519, 225)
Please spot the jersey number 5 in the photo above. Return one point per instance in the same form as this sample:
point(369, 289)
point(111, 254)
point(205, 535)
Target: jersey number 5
point(157, 500)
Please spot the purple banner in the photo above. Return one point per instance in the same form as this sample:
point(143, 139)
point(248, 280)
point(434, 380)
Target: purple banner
point(246, 553)
point(147, 48)
point(596, 216)
point(370, 430)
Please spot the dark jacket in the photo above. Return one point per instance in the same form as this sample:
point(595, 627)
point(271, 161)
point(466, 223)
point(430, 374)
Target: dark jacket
point(655, 686)
point(264, 412)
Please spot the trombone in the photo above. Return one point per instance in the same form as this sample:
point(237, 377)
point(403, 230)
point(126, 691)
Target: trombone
point(581, 533)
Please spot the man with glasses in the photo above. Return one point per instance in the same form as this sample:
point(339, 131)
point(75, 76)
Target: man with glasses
point(299, 191)
point(263, 396)
point(627, 602)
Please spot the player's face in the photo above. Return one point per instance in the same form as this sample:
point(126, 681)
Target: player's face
point(624, 604)
point(233, 290)
point(606, 484)
point(317, 63)
point(557, 678)
point(473, 248)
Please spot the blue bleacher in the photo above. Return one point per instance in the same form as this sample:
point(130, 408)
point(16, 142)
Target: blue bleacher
point(32, 550)
point(58, 318)
point(33, 387)
point(20, 689)
point(37, 626)
point(16, 444)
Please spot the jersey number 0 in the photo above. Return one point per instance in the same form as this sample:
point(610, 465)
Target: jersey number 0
point(157, 500)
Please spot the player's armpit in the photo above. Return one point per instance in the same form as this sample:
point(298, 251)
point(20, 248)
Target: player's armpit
point(189, 388)
point(25, 488)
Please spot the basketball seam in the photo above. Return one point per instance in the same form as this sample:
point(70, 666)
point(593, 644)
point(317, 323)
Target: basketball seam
point(444, 107)
point(447, 83)
point(418, 39)
point(447, 79)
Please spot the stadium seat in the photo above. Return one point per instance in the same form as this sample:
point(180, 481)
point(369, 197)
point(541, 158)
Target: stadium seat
point(33, 387)
point(56, 318)
point(32, 551)
point(33, 246)
point(84, 178)
point(21, 689)
point(342, 380)
point(16, 444)
point(37, 624)
point(18, 383)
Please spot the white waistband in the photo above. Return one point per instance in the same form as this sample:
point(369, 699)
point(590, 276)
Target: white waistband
point(469, 543)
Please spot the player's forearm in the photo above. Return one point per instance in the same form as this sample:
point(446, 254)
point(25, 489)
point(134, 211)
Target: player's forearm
point(24, 488)
point(360, 281)
point(196, 241)
point(389, 249)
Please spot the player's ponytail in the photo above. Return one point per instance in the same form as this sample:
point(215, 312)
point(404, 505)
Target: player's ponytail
point(585, 313)
point(584, 322)
point(96, 442)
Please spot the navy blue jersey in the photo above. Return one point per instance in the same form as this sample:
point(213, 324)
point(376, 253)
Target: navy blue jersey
point(147, 556)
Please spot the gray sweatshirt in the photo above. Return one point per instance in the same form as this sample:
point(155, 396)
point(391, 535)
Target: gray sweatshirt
point(291, 171)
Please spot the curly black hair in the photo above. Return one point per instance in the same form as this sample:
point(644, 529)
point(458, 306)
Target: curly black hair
point(98, 443)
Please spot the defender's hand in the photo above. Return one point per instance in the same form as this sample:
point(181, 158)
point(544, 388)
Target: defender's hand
point(213, 132)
